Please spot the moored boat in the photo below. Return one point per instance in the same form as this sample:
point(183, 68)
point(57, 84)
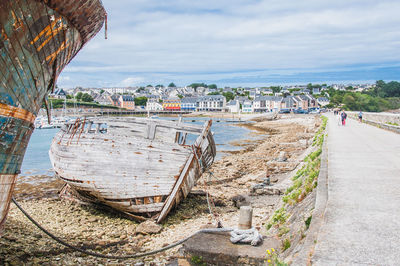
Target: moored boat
point(38, 38)
point(135, 165)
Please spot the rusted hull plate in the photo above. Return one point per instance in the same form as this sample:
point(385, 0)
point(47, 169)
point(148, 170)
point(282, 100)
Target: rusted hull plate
point(37, 40)
point(136, 165)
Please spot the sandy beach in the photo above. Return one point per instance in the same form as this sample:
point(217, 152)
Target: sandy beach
point(106, 232)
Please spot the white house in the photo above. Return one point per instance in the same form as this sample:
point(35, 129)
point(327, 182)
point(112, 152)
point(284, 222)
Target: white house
point(153, 105)
point(233, 106)
point(211, 103)
point(247, 107)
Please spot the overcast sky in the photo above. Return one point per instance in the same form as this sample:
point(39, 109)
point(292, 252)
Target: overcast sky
point(240, 43)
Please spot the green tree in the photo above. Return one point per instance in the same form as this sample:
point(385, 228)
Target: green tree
point(140, 101)
point(276, 89)
point(212, 86)
point(180, 96)
point(172, 85)
point(87, 98)
point(196, 85)
point(78, 96)
point(229, 96)
point(69, 96)
point(101, 91)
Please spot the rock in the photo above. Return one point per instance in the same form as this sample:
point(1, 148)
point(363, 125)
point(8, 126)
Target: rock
point(148, 227)
point(282, 157)
point(241, 200)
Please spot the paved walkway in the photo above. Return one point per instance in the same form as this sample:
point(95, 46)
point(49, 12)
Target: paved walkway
point(362, 219)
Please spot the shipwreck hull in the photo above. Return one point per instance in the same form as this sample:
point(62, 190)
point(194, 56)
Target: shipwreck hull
point(139, 166)
point(38, 38)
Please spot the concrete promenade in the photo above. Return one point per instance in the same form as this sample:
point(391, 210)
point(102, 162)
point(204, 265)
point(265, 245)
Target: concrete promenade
point(362, 218)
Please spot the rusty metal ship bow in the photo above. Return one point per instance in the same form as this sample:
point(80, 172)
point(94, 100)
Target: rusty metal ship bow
point(38, 38)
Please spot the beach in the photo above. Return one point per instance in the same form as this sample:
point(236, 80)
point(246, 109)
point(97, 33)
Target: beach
point(274, 152)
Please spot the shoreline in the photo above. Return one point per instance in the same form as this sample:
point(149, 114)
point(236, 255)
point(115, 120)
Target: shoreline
point(107, 232)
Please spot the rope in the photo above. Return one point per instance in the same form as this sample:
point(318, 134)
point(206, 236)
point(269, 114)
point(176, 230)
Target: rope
point(246, 236)
point(99, 255)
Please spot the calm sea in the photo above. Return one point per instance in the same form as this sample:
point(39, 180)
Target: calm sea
point(37, 162)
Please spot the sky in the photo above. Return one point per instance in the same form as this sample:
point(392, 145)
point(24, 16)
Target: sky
point(240, 43)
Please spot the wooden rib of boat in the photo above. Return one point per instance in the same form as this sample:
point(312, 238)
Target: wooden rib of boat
point(135, 165)
point(38, 38)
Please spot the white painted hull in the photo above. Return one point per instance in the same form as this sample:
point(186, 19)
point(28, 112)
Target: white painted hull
point(139, 166)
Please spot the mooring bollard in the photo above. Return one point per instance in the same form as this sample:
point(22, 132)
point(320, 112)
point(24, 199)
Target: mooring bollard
point(245, 217)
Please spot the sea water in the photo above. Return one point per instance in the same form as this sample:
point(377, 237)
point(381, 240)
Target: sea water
point(37, 162)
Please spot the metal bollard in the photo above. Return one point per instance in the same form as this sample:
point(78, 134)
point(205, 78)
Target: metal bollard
point(245, 217)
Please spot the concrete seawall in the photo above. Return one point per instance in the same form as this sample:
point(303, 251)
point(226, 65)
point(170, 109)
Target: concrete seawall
point(380, 120)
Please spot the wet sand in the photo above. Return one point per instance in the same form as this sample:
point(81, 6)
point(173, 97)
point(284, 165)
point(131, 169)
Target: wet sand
point(107, 232)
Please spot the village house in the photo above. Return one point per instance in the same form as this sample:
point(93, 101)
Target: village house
point(247, 107)
point(103, 99)
point(188, 104)
point(273, 103)
point(211, 103)
point(114, 100)
point(127, 102)
point(233, 106)
point(323, 101)
point(172, 104)
point(259, 104)
point(58, 94)
point(153, 105)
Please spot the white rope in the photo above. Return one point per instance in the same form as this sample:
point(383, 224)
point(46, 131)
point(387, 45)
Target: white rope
point(246, 236)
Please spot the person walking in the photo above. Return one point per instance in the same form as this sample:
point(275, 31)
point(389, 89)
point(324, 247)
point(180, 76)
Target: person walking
point(360, 114)
point(344, 116)
point(339, 118)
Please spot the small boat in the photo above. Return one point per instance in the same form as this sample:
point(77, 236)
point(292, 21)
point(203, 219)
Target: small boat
point(139, 166)
point(38, 38)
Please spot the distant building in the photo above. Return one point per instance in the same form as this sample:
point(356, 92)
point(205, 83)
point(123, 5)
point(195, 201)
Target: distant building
point(114, 100)
point(322, 101)
point(153, 105)
point(127, 102)
point(214, 103)
point(247, 107)
point(233, 106)
point(172, 104)
point(188, 104)
point(103, 99)
point(59, 94)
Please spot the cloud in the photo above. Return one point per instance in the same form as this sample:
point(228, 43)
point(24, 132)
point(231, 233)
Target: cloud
point(131, 81)
point(181, 39)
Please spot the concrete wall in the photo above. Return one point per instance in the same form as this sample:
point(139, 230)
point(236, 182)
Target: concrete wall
point(379, 117)
point(380, 120)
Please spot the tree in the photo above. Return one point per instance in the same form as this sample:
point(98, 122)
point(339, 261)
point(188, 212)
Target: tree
point(87, 98)
point(69, 96)
point(101, 91)
point(212, 86)
point(214, 93)
point(159, 86)
point(276, 89)
point(140, 101)
point(196, 85)
point(78, 96)
point(172, 85)
point(229, 96)
point(180, 96)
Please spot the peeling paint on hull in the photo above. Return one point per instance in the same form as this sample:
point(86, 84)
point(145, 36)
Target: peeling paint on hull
point(135, 165)
point(38, 38)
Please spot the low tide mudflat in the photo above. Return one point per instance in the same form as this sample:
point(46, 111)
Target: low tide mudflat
point(107, 232)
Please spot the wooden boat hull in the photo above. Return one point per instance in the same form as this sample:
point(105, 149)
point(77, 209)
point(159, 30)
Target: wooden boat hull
point(140, 166)
point(38, 38)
